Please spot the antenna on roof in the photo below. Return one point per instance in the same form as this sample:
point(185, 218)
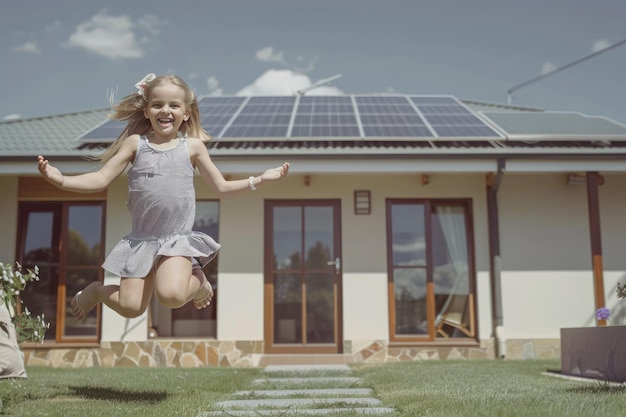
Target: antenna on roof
point(317, 84)
point(571, 64)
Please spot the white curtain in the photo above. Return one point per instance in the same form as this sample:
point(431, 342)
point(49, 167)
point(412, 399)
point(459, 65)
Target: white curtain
point(452, 222)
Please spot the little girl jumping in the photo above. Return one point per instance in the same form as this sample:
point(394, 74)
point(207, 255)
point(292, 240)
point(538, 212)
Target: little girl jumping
point(165, 142)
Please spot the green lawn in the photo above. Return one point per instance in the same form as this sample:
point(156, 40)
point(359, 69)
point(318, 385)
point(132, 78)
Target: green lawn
point(481, 388)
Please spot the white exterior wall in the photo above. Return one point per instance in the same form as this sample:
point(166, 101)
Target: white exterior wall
point(547, 276)
point(364, 263)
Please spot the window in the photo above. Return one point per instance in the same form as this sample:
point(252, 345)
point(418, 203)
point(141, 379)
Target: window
point(187, 321)
point(430, 264)
point(65, 240)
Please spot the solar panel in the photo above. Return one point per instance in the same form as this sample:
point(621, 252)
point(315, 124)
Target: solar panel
point(216, 112)
point(262, 117)
point(449, 118)
point(328, 116)
point(390, 116)
point(349, 117)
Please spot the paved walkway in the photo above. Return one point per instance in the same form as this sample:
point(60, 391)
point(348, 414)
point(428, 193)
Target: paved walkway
point(303, 390)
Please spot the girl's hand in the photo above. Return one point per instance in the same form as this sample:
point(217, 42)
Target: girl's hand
point(275, 173)
point(50, 173)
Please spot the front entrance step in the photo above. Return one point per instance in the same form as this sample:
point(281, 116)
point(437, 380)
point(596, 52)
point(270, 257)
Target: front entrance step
point(309, 370)
point(305, 392)
point(303, 359)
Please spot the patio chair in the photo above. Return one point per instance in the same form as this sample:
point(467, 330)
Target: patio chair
point(453, 313)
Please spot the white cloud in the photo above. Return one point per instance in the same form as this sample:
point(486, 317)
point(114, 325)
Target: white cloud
point(548, 67)
point(600, 44)
point(28, 48)
point(284, 82)
point(269, 55)
point(214, 86)
point(10, 117)
point(115, 36)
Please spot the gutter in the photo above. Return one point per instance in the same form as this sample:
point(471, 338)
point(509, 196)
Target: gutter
point(495, 266)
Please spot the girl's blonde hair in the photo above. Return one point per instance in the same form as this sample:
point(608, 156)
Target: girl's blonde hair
point(132, 108)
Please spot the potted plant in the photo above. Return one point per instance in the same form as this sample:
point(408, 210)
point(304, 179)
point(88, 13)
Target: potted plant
point(16, 327)
point(596, 352)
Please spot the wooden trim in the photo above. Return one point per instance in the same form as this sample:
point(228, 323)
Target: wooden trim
point(593, 201)
point(38, 189)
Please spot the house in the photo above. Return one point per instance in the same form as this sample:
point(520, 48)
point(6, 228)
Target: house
point(410, 227)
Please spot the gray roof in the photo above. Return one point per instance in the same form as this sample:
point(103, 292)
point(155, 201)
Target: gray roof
point(50, 135)
point(527, 133)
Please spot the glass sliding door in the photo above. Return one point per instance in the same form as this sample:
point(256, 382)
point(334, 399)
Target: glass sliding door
point(303, 264)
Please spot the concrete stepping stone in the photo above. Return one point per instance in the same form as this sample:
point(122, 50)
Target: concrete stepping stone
point(297, 402)
point(373, 411)
point(339, 380)
point(303, 392)
point(325, 394)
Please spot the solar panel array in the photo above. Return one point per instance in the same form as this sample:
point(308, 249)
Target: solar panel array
point(339, 117)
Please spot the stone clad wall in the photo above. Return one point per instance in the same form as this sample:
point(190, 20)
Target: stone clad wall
point(161, 353)
point(203, 353)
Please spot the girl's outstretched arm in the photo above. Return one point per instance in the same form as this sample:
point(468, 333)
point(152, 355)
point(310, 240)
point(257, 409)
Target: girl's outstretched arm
point(201, 159)
point(91, 181)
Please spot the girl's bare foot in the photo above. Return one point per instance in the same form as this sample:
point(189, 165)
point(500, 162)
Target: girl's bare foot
point(203, 296)
point(84, 301)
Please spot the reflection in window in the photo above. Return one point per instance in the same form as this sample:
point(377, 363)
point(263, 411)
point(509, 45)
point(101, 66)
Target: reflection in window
point(84, 235)
point(287, 238)
point(287, 308)
point(318, 227)
point(320, 308)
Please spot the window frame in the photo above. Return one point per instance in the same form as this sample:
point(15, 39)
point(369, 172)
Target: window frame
point(25, 207)
point(431, 337)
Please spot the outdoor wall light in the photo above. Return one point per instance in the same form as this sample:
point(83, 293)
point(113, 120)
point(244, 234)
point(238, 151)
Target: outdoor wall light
point(580, 178)
point(362, 202)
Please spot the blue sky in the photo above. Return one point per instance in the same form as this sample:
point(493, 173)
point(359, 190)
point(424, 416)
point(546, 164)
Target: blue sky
point(64, 56)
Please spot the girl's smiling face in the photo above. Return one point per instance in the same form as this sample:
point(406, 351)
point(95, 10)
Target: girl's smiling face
point(166, 110)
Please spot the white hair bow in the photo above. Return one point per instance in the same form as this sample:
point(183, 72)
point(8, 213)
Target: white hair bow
point(141, 85)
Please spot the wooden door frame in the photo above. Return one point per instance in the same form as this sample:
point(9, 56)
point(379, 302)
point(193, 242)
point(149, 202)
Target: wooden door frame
point(268, 287)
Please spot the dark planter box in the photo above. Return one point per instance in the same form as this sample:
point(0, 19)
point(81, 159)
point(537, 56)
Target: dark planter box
point(594, 352)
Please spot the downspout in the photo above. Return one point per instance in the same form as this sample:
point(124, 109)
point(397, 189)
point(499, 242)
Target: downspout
point(493, 184)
